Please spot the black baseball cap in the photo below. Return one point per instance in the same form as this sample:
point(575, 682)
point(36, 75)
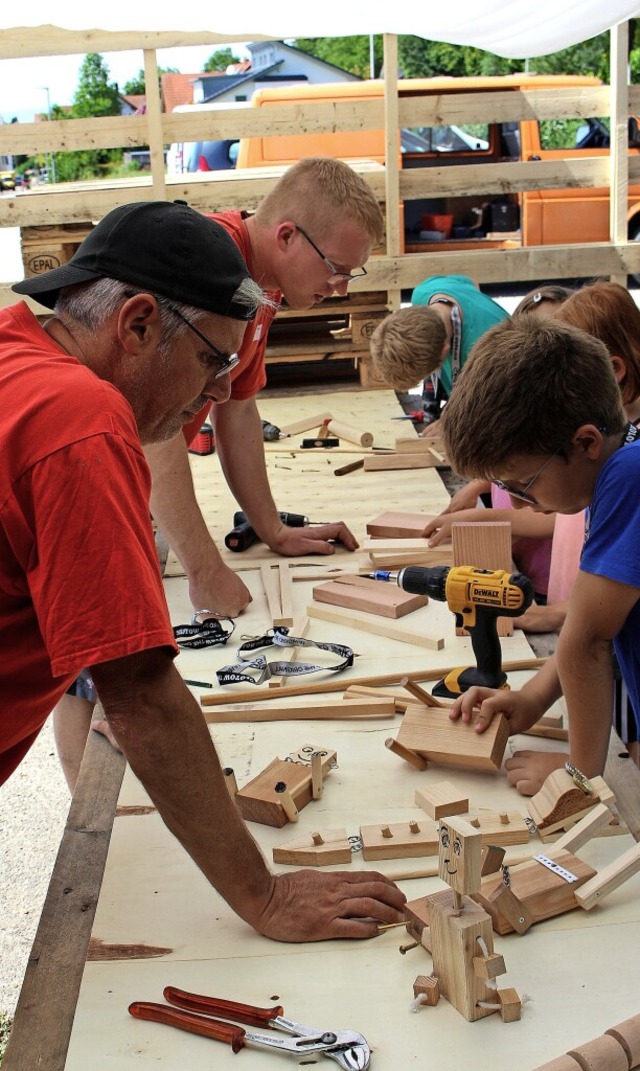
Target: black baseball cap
point(163, 247)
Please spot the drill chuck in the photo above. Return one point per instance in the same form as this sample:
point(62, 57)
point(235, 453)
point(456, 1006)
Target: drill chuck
point(418, 580)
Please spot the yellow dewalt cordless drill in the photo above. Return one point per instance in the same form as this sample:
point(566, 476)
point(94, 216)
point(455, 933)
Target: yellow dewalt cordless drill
point(477, 597)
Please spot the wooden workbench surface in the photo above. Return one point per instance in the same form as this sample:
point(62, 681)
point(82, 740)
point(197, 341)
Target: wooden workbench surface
point(166, 926)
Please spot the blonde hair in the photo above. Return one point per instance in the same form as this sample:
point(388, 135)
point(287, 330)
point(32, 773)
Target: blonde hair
point(318, 193)
point(407, 346)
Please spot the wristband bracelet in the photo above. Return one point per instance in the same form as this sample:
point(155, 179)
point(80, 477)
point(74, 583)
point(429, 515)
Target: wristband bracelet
point(579, 778)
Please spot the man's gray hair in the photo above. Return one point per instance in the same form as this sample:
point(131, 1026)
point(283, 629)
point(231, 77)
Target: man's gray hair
point(92, 304)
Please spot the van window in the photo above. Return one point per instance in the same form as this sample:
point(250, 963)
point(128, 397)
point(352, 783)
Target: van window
point(574, 134)
point(471, 137)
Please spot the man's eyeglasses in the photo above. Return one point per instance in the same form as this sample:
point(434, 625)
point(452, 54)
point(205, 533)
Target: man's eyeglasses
point(226, 361)
point(339, 276)
point(524, 495)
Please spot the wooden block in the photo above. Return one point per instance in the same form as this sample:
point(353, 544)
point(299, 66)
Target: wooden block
point(333, 848)
point(510, 1005)
point(367, 622)
point(602, 1054)
point(542, 893)
point(453, 935)
point(306, 423)
point(300, 627)
point(560, 802)
point(389, 462)
point(406, 754)
point(394, 545)
point(510, 909)
point(352, 435)
point(491, 859)
point(258, 801)
point(485, 545)
point(417, 914)
point(627, 1034)
point(402, 843)
point(460, 854)
point(441, 799)
point(370, 379)
point(369, 596)
point(426, 986)
point(398, 525)
point(304, 711)
point(431, 733)
point(609, 878)
point(489, 967)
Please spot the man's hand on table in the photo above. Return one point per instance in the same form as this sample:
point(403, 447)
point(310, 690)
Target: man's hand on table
point(216, 587)
point(309, 905)
point(313, 539)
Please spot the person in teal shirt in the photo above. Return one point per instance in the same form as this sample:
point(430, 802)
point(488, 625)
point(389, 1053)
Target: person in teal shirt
point(430, 340)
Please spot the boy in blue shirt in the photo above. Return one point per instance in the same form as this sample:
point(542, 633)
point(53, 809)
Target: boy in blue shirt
point(537, 410)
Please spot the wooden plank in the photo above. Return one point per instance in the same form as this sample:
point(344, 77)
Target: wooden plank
point(270, 582)
point(430, 732)
point(327, 847)
point(284, 582)
point(485, 545)
point(414, 444)
point(396, 560)
point(499, 828)
point(367, 622)
point(610, 878)
point(257, 696)
point(370, 708)
point(395, 525)
point(393, 545)
point(390, 462)
point(42, 1025)
point(400, 840)
point(369, 596)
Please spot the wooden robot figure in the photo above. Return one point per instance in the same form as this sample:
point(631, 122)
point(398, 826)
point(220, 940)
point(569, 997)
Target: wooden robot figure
point(459, 934)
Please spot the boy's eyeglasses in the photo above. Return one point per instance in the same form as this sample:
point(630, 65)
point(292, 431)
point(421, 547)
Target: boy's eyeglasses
point(524, 495)
point(340, 276)
point(226, 361)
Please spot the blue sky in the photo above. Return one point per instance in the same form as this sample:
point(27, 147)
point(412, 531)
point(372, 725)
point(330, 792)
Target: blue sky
point(22, 81)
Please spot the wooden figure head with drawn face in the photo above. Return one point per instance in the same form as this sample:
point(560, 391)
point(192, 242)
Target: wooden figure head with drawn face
point(459, 855)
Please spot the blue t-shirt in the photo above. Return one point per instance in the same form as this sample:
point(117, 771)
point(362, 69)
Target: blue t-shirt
point(612, 549)
point(479, 313)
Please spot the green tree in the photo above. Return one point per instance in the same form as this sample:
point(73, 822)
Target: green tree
point(94, 96)
point(135, 87)
point(349, 53)
point(220, 60)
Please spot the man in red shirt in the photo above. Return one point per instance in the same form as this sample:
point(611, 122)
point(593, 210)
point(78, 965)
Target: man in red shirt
point(308, 238)
point(147, 317)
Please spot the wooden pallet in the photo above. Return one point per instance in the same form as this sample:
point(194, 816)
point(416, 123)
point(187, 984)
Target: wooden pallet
point(47, 247)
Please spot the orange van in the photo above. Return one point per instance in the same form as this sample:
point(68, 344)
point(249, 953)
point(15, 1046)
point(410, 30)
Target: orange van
point(539, 217)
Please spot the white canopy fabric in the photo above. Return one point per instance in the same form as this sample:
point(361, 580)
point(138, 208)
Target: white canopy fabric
point(515, 29)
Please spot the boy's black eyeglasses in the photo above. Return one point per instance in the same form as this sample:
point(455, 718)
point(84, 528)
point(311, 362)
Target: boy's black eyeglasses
point(524, 495)
point(335, 274)
point(226, 361)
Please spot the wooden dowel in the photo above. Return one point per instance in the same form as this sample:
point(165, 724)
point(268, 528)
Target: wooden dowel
point(286, 799)
point(317, 788)
point(419, 693)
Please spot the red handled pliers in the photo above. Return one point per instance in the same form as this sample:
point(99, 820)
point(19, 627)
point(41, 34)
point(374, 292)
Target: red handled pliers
point(346, 1047)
